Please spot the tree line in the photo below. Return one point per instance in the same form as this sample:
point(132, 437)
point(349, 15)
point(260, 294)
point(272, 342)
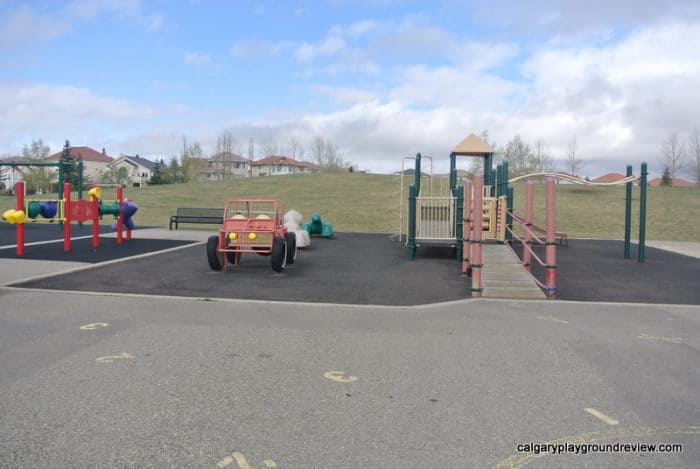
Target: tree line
point(676, 157)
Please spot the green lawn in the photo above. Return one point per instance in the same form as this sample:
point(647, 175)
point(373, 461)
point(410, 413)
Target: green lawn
point(370, 203)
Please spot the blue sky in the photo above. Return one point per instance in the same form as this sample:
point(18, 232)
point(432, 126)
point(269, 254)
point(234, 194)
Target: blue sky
point(382, 79)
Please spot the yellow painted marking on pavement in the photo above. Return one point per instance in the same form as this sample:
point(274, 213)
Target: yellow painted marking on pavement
point(242, 462)
point(224, 462)
point(111, 358)
point(339, 376)
point(674, 340)
point(552, 318)
point(519, 460)
point(93, 326)
point(598, 414)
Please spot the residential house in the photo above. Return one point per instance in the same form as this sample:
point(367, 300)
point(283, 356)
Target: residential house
point(227, 165)
point(94, 162)
point(138, 170)
point(278, 165)
point(11, 175)
point(677, 182)
point(609, 178)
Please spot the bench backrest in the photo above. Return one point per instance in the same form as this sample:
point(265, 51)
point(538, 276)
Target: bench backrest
point(200, 212)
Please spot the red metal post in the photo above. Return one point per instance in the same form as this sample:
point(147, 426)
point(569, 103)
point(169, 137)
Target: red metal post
point(477, 237)
point(120, 220)
point(66, 217)
point(467, 223)
point(19, 191)
point(550, 241)
point(529, 208)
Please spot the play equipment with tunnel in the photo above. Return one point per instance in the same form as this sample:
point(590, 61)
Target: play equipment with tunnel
point(435, 217)
point(252, 226)
point(465, 215)
point(65, 210)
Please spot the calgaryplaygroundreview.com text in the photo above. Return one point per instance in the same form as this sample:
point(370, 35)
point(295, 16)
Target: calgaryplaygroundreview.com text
point(586, 448)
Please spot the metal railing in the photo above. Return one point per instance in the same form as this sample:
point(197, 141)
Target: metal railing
point(549, 264)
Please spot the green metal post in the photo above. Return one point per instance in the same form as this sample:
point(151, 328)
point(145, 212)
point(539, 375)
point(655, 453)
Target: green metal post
point(628, 213)
point(417, 175)
point(411, 239)
point(499, 168)
point(642, 212)
point(453, 170)
point(489, 176)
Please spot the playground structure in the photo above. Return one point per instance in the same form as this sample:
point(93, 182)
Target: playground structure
point(252, 226)
point(436, 217)
point(473, 212)
point(65, 210)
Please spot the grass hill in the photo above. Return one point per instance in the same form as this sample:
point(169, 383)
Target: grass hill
point(370, 203)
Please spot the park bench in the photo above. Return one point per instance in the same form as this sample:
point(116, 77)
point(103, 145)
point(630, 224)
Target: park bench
point(213, 216)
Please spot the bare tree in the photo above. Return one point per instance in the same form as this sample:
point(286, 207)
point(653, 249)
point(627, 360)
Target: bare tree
point(327, 155)
point(251, 149)
point(518, 154)
point(37, 177)
point(694, 156)
point(574, 164)
point(540, 161)
point(226, 145)
point(295, 149)
point(269, 148)
point(673, 154)
point(191, 160)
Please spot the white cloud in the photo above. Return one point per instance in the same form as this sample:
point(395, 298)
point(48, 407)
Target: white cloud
point(57, 113)
point(26, 26)
point(253, 49)
point(197, 59)
point(344, 96)
point(307, 52)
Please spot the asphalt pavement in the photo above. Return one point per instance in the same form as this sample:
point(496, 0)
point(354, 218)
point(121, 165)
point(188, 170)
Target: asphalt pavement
point(110, 376)
point(91, 380)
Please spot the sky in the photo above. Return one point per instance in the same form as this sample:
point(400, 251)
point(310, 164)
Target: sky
point(381, 79)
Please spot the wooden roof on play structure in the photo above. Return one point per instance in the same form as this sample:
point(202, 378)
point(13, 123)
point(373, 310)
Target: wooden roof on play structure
point(473, 145)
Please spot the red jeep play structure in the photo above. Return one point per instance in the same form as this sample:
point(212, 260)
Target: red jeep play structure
point(252, 225)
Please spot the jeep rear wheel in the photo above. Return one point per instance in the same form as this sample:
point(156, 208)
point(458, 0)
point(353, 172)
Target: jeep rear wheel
point(215, 258)
point(278, 258)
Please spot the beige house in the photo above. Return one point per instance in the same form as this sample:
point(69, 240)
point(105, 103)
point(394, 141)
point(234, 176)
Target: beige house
point(94, 162)
point(138, 170)
point(279, 165)
point(227, 165)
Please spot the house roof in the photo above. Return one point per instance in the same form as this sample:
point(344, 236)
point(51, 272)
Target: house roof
point(677, 182)
point(228, 156)
point(472, 145)
point(14, 159)
point(275, 160)
point(136, 160)
point(610, 177)
point(83, 153)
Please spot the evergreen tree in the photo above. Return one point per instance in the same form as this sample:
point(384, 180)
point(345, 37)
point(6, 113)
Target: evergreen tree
point(157, 176)
point(70, 165)
point(174, 173)
point(666, 179)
